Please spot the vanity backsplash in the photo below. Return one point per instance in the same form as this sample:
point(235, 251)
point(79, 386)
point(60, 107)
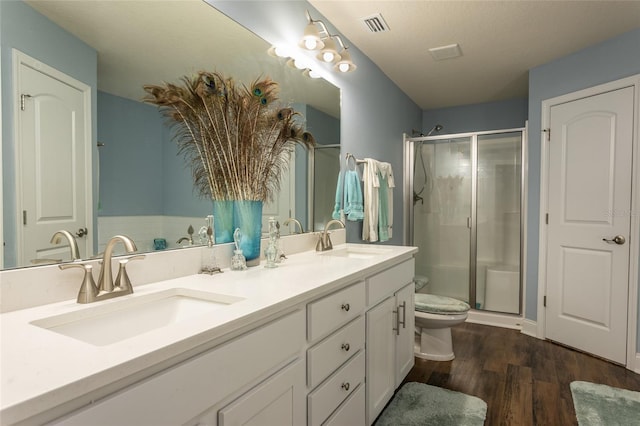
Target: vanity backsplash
point(36, 286)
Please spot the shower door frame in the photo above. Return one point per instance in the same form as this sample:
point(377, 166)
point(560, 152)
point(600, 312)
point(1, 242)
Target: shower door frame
point(409, 144)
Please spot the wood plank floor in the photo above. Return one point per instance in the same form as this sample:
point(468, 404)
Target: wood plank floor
point(523, 380)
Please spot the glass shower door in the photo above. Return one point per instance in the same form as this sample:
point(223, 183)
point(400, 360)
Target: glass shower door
point(498, 210)
point(442, 212)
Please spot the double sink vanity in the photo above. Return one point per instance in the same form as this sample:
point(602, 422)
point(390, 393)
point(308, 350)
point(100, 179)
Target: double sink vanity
point(325, 338)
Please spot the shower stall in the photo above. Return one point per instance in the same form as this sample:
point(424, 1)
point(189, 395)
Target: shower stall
point(464, 204)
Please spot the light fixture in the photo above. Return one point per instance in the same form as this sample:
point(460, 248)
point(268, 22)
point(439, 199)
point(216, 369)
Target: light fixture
point(313, 37)
point(330, 52)
point(345, 64)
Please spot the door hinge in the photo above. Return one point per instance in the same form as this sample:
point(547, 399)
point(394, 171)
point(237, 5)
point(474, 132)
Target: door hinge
point(548, 132)
point(544, 301)
point(24, 217)
point(23, 98)
point(546, 219)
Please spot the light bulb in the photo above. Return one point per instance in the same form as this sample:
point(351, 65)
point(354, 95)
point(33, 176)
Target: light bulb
point(328, 56)
point(343, 67)
point(310, 43)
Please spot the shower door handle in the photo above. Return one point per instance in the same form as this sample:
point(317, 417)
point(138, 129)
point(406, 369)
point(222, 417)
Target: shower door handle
point(618, 239)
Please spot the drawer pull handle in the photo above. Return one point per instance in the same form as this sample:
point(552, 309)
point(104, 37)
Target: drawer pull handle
point(345, 347)
point(345, 307)
point(345, 386)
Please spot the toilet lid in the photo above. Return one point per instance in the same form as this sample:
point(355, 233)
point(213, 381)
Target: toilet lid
point(434, 304)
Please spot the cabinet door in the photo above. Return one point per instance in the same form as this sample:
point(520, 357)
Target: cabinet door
point(380, 351)
point(405, 326)
point(278, 401)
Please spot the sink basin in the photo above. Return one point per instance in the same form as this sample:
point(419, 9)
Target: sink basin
point(104, 324)
point(357, 252)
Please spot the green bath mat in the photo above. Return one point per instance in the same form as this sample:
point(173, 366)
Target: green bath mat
point(417, 404)
point(602, 405)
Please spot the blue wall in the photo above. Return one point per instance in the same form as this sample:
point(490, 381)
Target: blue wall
point(24, 29)
point(141, 172)
point(476, 118)
point(608, 61)
point(375, 112)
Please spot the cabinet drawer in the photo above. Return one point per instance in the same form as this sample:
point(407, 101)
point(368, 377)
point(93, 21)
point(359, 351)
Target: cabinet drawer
point(330, 312)
point(387, 282)
point(325, 357)
point(328, 396)
point(175, 395)
point(351, 412)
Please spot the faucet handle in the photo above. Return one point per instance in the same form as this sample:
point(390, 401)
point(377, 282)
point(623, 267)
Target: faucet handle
point(123, 283)
point(88, 289)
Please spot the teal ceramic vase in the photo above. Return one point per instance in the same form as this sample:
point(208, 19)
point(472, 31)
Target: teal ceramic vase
point(247, 215)
point(223, 221)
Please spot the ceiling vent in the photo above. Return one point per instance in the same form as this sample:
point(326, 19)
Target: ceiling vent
point(445, 52)
point(375, 23)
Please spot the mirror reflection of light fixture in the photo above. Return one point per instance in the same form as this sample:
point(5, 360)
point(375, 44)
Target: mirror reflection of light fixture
point(297, 63)
point(311, 73)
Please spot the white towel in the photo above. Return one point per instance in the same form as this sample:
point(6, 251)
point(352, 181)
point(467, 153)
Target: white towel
point(371, 200)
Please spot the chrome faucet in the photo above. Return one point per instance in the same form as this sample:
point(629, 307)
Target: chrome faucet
point(296, 221)
point(105, 282)
point(324, 242)
point(71, 240)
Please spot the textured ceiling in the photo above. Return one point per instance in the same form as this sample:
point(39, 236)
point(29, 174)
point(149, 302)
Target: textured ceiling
point(500, 41)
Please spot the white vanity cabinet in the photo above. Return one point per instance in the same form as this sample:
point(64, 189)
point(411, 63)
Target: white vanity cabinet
point(185, 391)
point(332, 357)
point(390, 334)
point(336, 363)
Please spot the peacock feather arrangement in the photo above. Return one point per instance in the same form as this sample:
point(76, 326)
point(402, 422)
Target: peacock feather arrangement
point(236, 138)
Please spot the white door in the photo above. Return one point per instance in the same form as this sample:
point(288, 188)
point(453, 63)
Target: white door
point(589, 203)
point(54, 174)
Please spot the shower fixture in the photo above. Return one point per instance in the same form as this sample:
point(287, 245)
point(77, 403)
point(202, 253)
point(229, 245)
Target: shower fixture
point(416, 194)
point(418, 133)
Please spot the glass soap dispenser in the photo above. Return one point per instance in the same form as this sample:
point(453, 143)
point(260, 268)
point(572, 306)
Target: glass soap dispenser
point(271, 252)
point(238, 261)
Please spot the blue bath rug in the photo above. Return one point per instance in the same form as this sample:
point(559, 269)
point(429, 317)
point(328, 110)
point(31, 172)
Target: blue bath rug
point(418, 404)
point(602, 405)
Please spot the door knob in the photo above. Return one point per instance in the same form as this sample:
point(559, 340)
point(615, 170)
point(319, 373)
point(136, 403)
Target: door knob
point(82, 232)
point(618, 239)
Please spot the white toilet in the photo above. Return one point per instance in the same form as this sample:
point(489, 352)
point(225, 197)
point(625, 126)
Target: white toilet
point(435, 315)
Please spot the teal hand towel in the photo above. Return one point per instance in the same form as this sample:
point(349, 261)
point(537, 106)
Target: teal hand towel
point(353, 208)
point(338, 204)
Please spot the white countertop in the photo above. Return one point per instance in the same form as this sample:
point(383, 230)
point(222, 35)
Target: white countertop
point(41, 369)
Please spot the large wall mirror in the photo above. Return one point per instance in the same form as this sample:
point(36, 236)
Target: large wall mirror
point(140, 185)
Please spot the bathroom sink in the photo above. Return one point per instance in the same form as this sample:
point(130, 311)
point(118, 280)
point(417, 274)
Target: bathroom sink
point(356, 251)
point(107, 323)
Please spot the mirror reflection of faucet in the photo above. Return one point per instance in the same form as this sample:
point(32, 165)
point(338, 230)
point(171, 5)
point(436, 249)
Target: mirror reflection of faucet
point(189, 239)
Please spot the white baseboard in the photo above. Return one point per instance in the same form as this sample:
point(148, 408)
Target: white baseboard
point(530, 328)
point(495, 319)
